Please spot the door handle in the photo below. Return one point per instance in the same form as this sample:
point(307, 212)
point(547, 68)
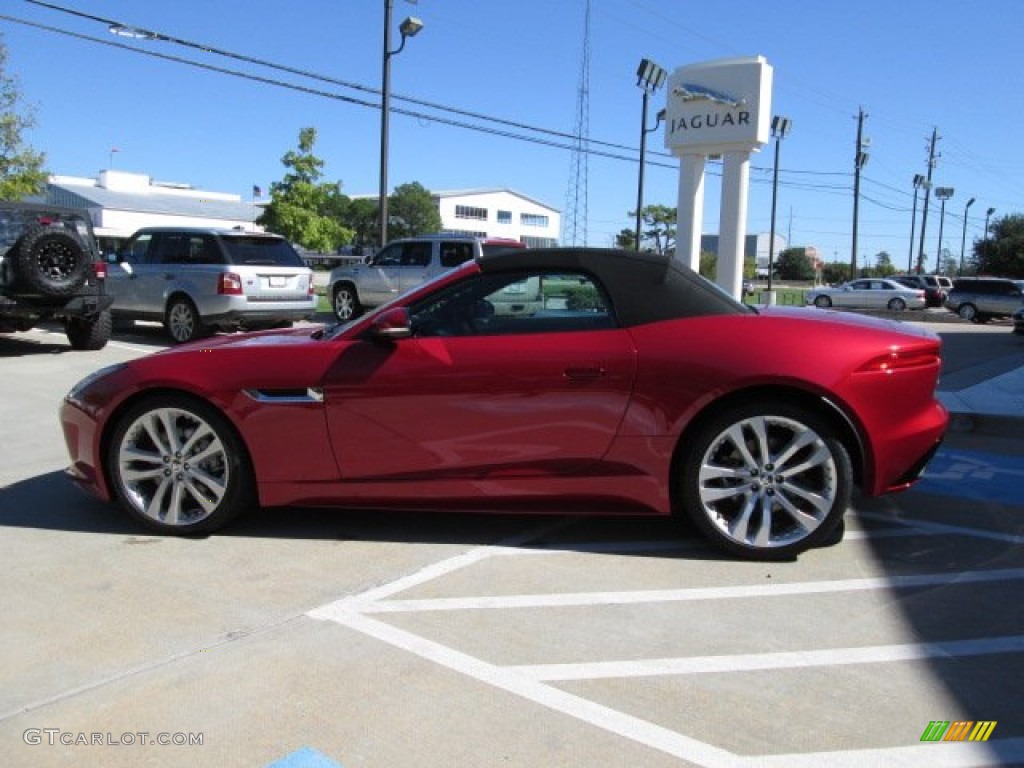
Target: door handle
point(587, 373)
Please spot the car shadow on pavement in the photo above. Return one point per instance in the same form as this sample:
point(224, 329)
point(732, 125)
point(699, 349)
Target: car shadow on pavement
point(52, 502)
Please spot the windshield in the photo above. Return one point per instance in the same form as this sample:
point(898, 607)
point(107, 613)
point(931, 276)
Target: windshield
point(267, 251)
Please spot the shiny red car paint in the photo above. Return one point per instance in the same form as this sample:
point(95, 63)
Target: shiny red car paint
point(555, 422)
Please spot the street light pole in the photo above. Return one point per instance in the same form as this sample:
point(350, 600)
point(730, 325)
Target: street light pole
point(649, 78)
point(988, 213)
point(408, 28)
point(780, 127)
point(963, 237)
point(919, 181)
point(943, 194)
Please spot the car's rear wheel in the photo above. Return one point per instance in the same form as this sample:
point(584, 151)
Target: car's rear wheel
point(897, 305)
point(89, 333)
point(822, 302)
point(182, 320)
point(346, 303)
point(766, 481)
point(178, 466)
point(967, 311)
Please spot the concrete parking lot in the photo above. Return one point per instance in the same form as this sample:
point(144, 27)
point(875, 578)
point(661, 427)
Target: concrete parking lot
point(308, 638)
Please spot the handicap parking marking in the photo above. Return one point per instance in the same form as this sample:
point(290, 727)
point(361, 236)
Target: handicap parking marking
point(975, 475)
point(366, 613)
point(306, 757)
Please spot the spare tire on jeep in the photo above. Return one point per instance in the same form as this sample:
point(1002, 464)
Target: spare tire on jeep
point(50, 260)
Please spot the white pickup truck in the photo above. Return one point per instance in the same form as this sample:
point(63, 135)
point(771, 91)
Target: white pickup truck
point(401, 265)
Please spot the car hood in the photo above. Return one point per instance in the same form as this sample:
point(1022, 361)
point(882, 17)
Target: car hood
point(286, 337)
point(847, 319)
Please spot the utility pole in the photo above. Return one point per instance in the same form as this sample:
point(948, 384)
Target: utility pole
point(860, 158)
point(927, 193)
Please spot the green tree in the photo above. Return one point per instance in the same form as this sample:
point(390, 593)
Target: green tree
point(708, 264)
point(626, 239)
point(793, 264)
point(883, 264)
point(412, 211)
point(835, 272)
point(657, 228)
point(304, 209)
point(21, 168)
point(362, 220)
point(1002, 253)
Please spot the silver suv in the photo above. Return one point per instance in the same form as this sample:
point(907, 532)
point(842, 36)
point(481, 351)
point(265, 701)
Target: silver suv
point(980, 299)
point(197, 280)
point(401, 265)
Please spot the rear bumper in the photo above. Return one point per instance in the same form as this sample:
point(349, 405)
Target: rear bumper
point(902, 457)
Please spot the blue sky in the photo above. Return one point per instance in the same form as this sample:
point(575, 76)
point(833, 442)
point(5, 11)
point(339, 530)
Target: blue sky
point(912, 65)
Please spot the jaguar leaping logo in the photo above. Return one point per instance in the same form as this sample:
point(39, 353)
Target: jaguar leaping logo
point(694, 92)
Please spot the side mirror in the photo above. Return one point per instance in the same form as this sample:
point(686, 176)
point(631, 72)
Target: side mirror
point(392, 325)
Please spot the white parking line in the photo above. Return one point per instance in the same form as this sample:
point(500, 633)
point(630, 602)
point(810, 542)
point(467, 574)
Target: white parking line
point(555, 600)
point(528, 681)
point(698, 665)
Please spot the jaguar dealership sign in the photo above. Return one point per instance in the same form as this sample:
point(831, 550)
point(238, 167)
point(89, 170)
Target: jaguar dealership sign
point(717, 109)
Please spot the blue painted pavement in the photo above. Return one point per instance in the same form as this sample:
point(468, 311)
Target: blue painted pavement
point(304, 758)
point(975, 475)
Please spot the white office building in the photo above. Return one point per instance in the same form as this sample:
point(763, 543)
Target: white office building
point(499, 213)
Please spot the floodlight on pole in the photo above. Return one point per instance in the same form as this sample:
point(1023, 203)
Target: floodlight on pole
point(780, 127)
point(963, 237)
point(943, 194)
point(408, 28)
point(649, 78)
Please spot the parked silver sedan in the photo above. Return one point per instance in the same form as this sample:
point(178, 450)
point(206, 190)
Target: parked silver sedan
point(868, 293)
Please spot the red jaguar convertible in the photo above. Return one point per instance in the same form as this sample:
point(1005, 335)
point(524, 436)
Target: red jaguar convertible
point(556, 381)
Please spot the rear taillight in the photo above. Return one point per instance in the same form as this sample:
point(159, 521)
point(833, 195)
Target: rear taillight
point(99, 269)
point(229, 284)
point(312, 287)
point(901, 359)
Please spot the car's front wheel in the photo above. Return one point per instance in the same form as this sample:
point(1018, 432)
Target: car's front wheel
point(822, 302)
point(178, 466)
point(182, 320)
point(346, 303)
point(766, 481)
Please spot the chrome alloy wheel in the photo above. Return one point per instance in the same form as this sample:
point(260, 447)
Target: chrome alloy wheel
point(182, 321)
point(767, 482)
point(173, 467)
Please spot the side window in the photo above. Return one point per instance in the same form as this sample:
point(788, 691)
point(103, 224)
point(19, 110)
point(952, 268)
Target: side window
point(140, 250)
point(454, 253)
point(416, 254)
point(172, 249)
point(516, 303)
point(389, 257)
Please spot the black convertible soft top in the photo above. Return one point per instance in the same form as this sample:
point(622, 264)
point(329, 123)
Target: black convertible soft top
point(643, 287)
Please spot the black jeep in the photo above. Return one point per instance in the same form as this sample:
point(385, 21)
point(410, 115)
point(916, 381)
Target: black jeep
point(50, 269)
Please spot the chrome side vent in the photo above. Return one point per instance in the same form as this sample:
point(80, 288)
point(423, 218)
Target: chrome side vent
point(286, 396)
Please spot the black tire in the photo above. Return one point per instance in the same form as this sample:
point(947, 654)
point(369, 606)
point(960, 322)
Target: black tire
point(51, 261)
point(89, 333)
point(822, 302)
point(182, 321)
point(158, 486)
point(745, 502)
point(897, 305)
point(345, 303)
